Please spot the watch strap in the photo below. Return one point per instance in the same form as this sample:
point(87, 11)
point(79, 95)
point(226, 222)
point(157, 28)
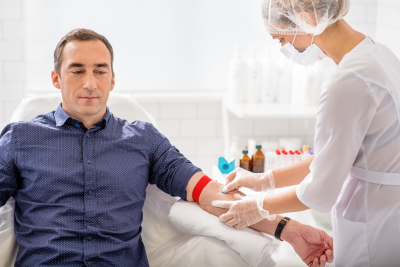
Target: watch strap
point(280, 227)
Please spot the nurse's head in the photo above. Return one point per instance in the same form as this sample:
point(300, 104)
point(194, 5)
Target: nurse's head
point(298, 22)
point(83, 71)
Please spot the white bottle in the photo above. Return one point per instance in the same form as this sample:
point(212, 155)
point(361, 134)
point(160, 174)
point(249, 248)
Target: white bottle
point(269, 79)
point(238, 76)
point(255, 82)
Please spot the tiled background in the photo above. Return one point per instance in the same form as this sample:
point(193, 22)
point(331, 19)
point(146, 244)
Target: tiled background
point(194, 126)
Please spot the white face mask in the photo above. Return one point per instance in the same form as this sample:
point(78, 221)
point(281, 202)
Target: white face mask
point(309, 57)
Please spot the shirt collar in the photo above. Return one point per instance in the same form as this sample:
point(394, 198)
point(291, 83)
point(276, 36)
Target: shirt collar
point(61, 117)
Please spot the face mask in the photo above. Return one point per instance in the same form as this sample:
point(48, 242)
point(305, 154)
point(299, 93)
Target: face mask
point(309, 57)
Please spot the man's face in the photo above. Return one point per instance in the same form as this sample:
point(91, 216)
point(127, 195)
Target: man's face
point(86, 78)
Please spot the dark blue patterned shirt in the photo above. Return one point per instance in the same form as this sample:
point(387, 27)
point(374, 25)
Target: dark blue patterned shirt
point(79, 194)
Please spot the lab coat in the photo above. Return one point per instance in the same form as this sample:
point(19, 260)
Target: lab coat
point(356, 170)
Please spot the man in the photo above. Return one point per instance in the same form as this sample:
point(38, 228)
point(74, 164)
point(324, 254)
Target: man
point(79, 175)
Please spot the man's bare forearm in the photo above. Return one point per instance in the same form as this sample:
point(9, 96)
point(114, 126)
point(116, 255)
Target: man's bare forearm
point(293, 174)
point(213, 192)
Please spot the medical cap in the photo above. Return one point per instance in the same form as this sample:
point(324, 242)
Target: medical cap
point(288, 17)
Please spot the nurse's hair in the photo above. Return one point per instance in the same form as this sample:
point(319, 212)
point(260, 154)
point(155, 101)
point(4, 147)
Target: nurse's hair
point(79, 35)
point(290, 17)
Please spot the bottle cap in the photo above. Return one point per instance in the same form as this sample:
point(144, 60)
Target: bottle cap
point(284, 152)
point(291, 152)
point(258, 146)
point(278, 152)
point(245, 151)
point(305, 148)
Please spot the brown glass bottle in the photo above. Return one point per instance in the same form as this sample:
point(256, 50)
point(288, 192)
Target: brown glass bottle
point(258, 160)
point(245, 161)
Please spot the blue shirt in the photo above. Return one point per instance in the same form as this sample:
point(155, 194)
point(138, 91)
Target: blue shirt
point(79, 195)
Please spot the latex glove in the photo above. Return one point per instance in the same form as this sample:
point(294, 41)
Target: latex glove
point(255, 181)
point(247, 211)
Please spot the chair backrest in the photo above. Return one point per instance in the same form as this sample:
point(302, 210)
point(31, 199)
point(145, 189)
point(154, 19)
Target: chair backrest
point(123, 106)
point(156, 230)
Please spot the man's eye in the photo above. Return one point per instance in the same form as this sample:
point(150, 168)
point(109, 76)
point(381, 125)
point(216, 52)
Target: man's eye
point(77, 72)
point(101, 72)
point(281, 40)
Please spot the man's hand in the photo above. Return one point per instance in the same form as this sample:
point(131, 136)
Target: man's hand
point(309, 243)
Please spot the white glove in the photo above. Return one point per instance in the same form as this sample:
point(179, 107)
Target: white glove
point(256, 181)
point(244, 212)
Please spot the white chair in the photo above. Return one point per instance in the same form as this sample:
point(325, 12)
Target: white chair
point(165, 246)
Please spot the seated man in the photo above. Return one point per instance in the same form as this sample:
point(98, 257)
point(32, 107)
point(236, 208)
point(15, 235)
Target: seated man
point(79, 175)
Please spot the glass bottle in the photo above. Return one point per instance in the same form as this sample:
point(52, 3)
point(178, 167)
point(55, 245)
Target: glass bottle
point(258, 160)
point(245, 161)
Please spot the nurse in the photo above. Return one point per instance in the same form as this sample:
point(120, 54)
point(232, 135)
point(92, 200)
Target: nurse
point(355, 173)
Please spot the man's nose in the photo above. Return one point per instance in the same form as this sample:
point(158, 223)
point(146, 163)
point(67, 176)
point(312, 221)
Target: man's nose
point(90, 81)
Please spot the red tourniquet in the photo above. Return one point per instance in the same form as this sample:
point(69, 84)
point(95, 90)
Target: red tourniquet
point(199, 187)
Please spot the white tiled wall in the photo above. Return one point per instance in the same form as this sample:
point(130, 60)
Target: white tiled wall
point(388, 24)
point(195, 128)
point(12, 58)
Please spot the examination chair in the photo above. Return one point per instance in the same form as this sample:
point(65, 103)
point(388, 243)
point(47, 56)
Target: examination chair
point(165, 246)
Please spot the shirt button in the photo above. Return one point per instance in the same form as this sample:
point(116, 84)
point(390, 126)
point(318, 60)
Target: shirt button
point(89, 238)
point(90, 192)
point(89, 220)
point(88, 135)
point(89, 161)
point(89, 263)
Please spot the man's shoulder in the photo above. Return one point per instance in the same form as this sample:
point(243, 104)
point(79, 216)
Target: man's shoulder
point(39, 120)
point(136, 127)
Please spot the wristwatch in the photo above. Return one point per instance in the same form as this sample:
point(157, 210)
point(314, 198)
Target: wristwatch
point(280, 227)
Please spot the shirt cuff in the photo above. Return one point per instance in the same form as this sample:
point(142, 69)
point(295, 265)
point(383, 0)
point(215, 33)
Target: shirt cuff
point(300, 195)
point(182, 177)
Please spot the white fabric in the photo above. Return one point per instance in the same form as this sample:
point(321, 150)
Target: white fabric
point(309, 57)
point(164, 245)
point(356, 170)
point(254, 247)
point(290, 17)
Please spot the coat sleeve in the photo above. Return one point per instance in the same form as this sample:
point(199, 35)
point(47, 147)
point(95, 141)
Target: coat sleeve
point(345, 110)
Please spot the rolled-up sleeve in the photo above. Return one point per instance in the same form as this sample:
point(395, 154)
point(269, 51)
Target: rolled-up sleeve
point(345, 111)
point(170, 170)
point(8, 170)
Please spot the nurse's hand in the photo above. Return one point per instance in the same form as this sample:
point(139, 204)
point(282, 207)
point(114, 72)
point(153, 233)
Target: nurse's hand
point(255, 181)
point(314, 247)
point(246, 211)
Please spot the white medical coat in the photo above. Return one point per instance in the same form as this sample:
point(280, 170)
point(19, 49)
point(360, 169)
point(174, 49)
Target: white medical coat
point(356, 170)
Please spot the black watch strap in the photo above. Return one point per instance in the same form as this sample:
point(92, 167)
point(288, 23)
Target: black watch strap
point(280, 227)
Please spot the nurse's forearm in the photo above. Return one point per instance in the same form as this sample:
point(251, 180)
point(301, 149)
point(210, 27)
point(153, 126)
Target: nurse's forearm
point(284, 202)
point(293, 174)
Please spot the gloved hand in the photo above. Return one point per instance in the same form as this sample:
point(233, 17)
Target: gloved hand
point(244, 212)
point(255, 181)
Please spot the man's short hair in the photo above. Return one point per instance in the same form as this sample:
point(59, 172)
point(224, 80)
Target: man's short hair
point(79, 35)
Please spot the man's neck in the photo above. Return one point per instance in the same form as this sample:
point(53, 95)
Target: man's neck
point(88, 120)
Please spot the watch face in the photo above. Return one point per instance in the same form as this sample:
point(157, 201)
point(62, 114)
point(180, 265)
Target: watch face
point(283, 222)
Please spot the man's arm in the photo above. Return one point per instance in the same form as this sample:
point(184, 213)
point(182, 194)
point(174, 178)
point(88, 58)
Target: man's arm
point(312, 245)
point(8, 170)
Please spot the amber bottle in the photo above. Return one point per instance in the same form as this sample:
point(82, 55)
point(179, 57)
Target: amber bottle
point(258, 160)
point(245, 161)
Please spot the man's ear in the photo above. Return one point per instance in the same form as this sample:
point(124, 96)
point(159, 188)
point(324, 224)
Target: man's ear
point(55, 78)
point(112, 82)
